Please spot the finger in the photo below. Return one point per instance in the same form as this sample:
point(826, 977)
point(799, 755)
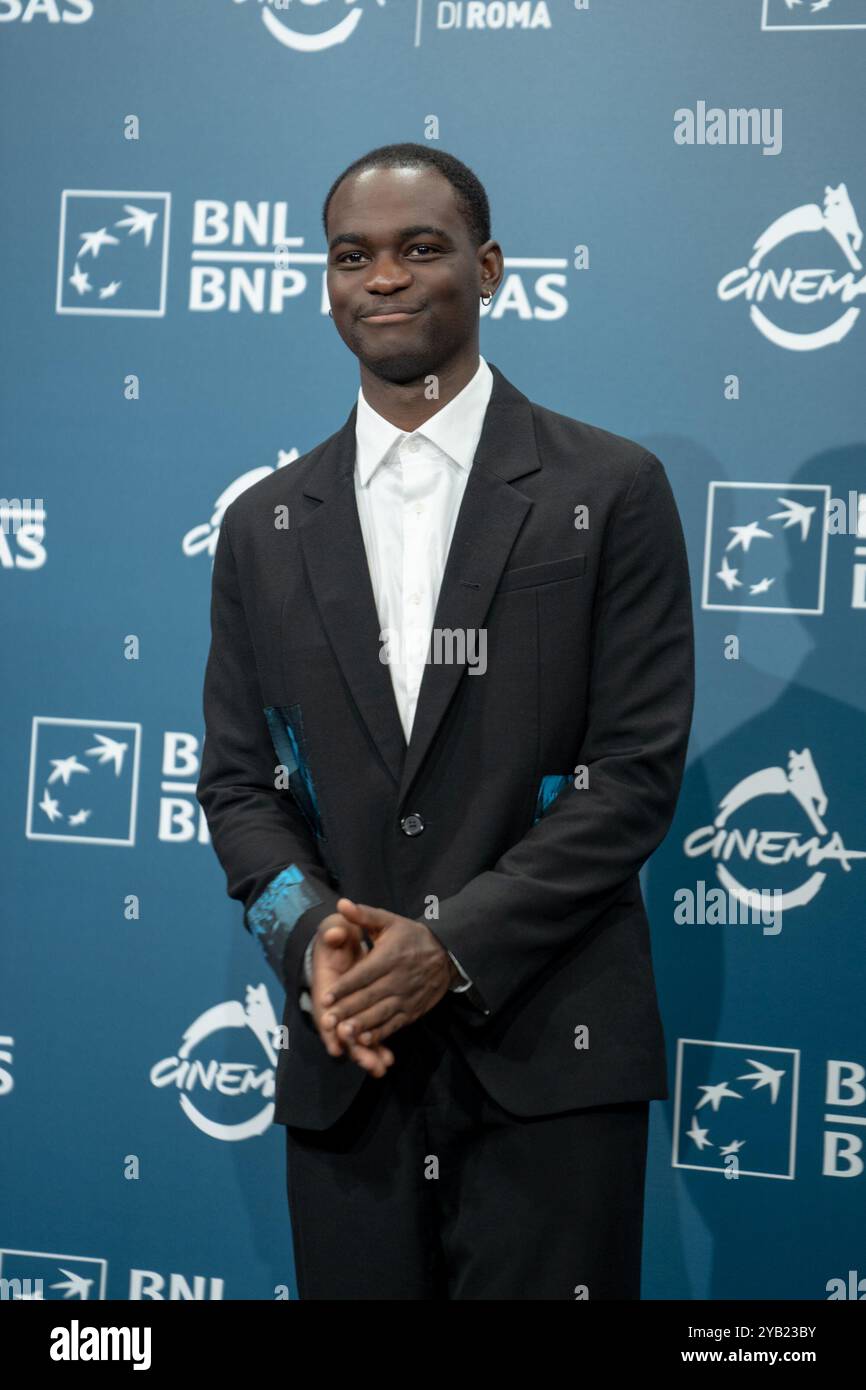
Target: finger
point(374, 1060)
point(375, 966)
point(358, 1000)
point(374, 1037)
point(332, 1044)
point(336, 935)
point(352, 1027)
point(374, 918)
point(341, 934)
point(326, 1025)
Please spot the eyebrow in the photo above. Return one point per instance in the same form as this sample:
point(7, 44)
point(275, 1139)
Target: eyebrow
point(358, 238)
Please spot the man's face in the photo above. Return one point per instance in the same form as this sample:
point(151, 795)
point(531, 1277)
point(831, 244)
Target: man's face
point(397, 242)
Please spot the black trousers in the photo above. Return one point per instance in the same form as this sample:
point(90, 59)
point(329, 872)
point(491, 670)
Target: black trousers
point(426, 1188)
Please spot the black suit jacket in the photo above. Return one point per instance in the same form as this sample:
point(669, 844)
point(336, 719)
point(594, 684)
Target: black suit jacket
point(477, 827)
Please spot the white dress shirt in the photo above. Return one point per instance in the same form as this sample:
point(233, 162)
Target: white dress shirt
point(408, 489)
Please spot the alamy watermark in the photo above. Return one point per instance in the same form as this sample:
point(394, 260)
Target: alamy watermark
point(715, 907)
point(446, 646)
point(739, 125)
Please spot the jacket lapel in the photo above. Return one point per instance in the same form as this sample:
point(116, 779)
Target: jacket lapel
point(336, 561)
point(491, 514)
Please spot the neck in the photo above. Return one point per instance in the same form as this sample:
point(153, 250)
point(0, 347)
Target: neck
point(406, 404)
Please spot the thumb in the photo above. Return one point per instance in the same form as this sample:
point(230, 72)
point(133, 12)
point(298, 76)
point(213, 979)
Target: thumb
point(341, 934)
point(338, 933)
point(372, 919)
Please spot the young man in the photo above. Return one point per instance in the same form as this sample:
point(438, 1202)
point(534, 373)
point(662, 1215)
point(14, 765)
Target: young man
point(447, 705)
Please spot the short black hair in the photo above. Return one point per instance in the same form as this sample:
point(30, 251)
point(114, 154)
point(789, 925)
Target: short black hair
point(470, 194)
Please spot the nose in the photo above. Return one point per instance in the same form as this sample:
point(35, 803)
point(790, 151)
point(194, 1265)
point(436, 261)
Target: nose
point(386, 274)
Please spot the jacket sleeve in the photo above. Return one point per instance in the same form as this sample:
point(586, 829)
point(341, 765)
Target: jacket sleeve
point(261, 837)
point(554, 884)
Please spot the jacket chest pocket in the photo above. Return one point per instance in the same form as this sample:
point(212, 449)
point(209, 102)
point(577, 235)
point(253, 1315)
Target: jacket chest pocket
point(548, 572)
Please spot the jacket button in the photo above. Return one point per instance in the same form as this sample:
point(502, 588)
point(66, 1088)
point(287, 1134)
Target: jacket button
point(412, 825)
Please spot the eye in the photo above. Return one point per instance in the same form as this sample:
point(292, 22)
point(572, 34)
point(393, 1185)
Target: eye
point(424, 247)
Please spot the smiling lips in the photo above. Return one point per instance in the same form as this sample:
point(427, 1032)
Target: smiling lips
point(389, 315)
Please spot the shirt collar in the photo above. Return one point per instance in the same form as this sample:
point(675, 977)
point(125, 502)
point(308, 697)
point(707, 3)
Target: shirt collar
point(455, 429)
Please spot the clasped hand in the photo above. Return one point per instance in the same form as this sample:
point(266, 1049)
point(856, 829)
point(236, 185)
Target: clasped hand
point(359, 998)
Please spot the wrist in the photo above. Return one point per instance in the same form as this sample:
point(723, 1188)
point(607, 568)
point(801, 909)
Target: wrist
point(453, 972)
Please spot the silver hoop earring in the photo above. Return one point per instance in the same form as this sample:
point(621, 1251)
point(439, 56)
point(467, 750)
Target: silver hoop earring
point(486, 298)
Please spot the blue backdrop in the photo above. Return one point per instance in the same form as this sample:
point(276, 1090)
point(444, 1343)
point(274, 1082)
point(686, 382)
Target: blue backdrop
point(676, 187)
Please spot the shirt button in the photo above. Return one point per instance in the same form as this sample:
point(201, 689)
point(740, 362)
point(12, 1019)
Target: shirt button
point(412, 825)
point(415, 598)
point(413, 445)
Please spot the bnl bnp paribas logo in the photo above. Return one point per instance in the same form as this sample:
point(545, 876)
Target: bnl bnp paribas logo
point(803, 15)
point(765, 549)
point(113, 253)
point(84, 778)
point(735, 1108)
point(37, 1275)
point(245, 258)
point(735, 1111)
point(316, 26)
point(798, 298)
